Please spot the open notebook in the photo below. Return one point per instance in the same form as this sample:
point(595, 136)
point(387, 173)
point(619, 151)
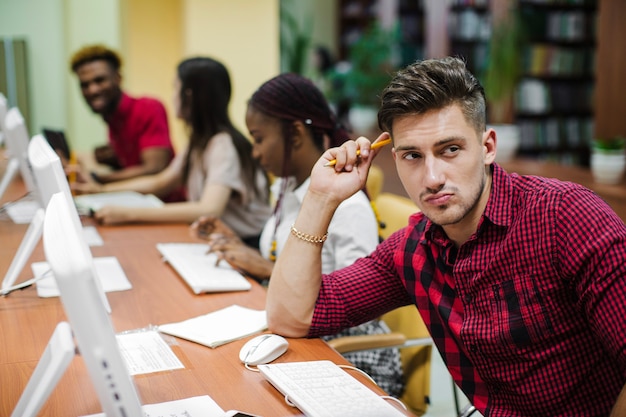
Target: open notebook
point(94, 202)
point(199, 270)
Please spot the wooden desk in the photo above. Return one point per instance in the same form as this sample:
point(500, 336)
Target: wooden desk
point(614, 195)
point(158, 296)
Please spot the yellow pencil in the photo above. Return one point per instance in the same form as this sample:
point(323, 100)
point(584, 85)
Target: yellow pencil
point(358, 152)
point(72, 164)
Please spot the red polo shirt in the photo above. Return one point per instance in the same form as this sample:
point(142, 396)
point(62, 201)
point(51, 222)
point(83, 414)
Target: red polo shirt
point(136, 125)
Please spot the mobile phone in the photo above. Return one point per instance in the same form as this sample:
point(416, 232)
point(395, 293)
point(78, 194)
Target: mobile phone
point(237, 413)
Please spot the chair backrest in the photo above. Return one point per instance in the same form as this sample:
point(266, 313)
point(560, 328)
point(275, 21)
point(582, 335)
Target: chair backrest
point(394, 211)
point(374, 184)
point(415, 360)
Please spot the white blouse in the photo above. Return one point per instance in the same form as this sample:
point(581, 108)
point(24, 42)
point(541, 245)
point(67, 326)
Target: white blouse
point(352, 233)
point(245, 213)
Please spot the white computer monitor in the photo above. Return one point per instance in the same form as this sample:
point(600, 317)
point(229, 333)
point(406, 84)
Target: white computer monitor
point(49, 178)
point(47, 171)
point(65, 250)
point(4, 107)
point(16, 144)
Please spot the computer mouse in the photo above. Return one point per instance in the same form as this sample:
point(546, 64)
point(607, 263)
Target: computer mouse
point(263, 349)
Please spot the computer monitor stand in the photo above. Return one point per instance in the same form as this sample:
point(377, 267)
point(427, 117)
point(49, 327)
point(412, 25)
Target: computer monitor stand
point(51, 367)
point(9, 173)
point(30, 240)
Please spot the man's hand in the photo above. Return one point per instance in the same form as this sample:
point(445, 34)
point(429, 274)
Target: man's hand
point(349, 173)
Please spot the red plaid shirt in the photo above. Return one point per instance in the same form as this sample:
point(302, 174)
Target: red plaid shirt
point(528, 314)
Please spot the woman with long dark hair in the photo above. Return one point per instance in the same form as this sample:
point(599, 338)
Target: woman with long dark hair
point(220, 177)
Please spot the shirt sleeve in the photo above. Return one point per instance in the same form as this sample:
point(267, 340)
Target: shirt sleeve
point(591, 245)
point(222, 165)
point(155, 133)
point(360, 292)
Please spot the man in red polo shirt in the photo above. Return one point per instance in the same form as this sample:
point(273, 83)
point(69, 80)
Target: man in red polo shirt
point(139, 140)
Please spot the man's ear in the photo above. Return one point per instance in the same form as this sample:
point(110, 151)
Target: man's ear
point(489, 141)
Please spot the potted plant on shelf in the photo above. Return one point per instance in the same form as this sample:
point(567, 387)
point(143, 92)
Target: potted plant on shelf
point(608, 160)
point(500, 79)
point(361, 80)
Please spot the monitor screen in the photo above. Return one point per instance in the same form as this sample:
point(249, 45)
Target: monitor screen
point(58, 142)
point(64, 247)
point(16, 142)
point(4, 106)
point(47, 170)
point(48, 178)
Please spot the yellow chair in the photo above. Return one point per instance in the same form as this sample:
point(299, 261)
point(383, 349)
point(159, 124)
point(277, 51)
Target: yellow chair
point(408, 331)
point(394, 211)
point(375, 180)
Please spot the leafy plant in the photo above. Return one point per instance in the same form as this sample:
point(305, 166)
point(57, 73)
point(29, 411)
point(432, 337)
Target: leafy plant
point(295, 41)
point(503, 69)
point(370, 67)
point(613, 144)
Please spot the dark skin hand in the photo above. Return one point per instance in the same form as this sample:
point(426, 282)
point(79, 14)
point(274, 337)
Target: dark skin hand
point(228, 246)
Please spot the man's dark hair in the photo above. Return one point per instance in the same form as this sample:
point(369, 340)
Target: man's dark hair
point(93, 53)
point(432, 85)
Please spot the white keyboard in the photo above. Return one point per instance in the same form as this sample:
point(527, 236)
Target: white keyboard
point(198, 269)
point(323, 389)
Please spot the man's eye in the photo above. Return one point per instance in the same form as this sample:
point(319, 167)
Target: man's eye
point(411, 155)
point(453, 149)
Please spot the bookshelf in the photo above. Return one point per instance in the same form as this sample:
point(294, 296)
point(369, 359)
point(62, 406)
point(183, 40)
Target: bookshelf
point(554, 101)
point(469, 29)
point(411, 19)
point(356, 16)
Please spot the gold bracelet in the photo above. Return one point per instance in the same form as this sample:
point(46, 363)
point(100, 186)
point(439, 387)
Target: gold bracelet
point(308, 238)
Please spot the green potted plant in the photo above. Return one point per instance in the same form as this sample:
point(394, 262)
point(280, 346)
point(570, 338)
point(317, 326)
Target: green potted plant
point(367, 73)
point(608, 159)
point(500, 78)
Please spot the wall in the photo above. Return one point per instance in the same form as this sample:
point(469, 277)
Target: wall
point(610, 100)
point(95, 21)
point(152, 44)
point(44, 36)
point(153, 36)
point(243, 35)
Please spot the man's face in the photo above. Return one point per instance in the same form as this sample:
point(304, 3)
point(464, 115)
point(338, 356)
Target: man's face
point(442, 162)
point(100, 85)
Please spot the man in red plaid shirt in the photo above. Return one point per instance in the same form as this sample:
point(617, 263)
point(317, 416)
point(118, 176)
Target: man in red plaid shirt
point(521, 280)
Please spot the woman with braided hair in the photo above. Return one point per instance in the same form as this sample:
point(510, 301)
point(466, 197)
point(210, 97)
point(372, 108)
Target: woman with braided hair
point(292, 125)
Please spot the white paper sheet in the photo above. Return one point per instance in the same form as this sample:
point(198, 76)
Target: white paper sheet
point(202, 406)
point(92, 237)
point(219, 327)
point(108, 268)
point(146, 352)
point(23, 211)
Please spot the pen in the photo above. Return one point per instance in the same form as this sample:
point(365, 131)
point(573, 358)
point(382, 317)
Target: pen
point(358, 152)
point(72, 163)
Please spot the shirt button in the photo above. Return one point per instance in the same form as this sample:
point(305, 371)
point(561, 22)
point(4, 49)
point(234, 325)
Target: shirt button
point(473, 348)
point(468, 299)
